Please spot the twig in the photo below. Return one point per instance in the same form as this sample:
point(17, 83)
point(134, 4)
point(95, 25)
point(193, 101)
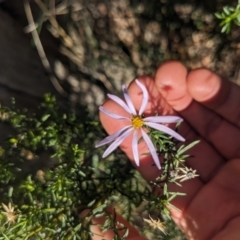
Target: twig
point(41, 51)
point(65, 38)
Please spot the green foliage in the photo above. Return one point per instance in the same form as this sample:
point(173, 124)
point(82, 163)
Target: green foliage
point(173, 158)
point(53, 183)
point(228, 16)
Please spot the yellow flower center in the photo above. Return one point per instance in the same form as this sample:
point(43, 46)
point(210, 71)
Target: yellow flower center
point(137, 122)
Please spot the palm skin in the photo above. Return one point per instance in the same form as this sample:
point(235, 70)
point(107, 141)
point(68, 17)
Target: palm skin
point(210, 108)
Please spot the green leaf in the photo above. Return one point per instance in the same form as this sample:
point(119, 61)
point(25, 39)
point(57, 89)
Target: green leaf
point(10, 192)
point(226, 10)
point(91, 203)
point(125, 234)
point(184, 149)
point(5, 237)
point(218, 15)
point(226, 28)
point(237, 20)
point(45, 117)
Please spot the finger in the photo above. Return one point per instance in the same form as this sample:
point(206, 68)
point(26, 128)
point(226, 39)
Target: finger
point(171, 81)
point(204, 158)
point(214, 129)
point(207, 123)
point(221, 97)
point(216, 93)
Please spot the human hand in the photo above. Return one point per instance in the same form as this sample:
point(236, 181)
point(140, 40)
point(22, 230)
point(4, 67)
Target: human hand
point(210, 108)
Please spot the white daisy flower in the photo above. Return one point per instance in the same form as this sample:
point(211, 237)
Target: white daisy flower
point(137, 123)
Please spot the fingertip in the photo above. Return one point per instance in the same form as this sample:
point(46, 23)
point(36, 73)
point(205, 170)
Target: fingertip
point(170, 80)
point(203, 84)
point(169, 74)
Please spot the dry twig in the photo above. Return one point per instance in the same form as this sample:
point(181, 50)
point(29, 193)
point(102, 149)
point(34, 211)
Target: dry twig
point(41, 51)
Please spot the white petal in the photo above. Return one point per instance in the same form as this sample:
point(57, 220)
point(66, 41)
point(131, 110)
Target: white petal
point(165, 129)
point(113, 115)
point(152, 149)
point(120, 102)
point(145, 97)
point(116, 143)
point(135, 147)
point(163, 119)
point(128, 100)
point(112, 137)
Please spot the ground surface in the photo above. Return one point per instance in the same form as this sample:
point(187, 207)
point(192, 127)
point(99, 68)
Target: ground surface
point(94, 46)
